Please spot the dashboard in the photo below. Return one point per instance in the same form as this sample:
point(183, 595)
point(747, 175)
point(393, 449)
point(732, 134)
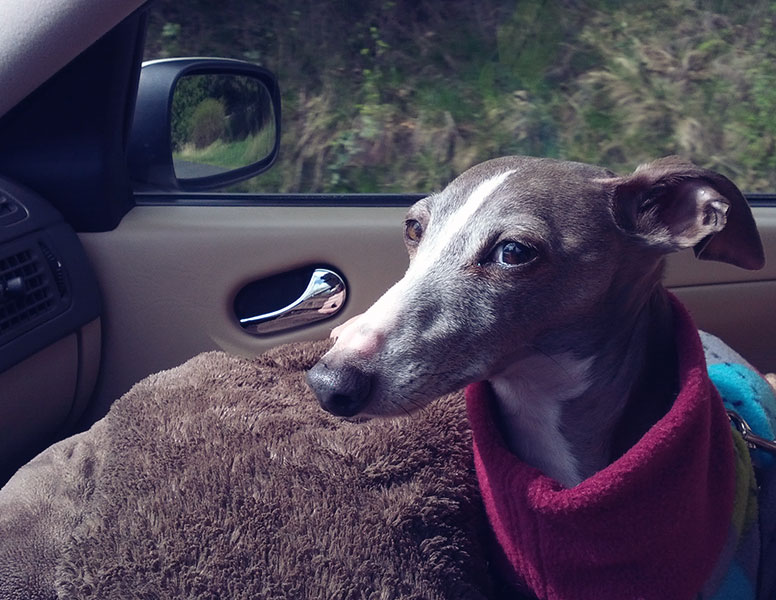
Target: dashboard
point(49, 324)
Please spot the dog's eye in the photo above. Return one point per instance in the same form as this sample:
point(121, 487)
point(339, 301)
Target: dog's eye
point(413, 231)
point(512, 253)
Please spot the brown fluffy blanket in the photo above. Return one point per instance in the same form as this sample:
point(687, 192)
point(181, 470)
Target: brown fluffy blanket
point(222, 478)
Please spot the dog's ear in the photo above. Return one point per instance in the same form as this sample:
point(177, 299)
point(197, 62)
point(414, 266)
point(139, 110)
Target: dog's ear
point(673, 204)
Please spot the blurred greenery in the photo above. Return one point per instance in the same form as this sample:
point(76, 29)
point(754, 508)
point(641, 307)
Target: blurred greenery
point(402, 95)
point(228, 154)
point(208, 122)
point(211, 106)
point(221, 120)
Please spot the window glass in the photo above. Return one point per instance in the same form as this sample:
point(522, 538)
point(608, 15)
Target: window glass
point(401, 95)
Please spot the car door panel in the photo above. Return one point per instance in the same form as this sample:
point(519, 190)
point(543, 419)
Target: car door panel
point(741, 314)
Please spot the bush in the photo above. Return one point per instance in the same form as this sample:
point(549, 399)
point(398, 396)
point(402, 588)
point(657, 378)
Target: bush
point(208, 122)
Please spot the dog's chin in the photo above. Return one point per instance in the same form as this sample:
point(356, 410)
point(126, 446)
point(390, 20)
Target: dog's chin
point(385, 408)
point(376, 409)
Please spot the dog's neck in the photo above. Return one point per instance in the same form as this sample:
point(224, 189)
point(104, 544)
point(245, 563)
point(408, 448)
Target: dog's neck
point(571, 416)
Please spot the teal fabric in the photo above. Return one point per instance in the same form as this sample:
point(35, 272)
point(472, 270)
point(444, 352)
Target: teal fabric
point(748, 394)
point(736, 586)
point(744, 567)
point(738, 565)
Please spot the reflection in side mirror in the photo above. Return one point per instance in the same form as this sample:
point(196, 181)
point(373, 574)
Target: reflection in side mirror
point(220, 122)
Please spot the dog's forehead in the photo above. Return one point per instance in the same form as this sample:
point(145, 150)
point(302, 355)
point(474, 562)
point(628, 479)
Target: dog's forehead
point(538, 185)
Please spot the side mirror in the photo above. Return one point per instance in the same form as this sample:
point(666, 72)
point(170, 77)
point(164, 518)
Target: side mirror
point(202, 123)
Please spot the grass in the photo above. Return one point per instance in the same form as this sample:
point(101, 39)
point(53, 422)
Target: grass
point(229, 154)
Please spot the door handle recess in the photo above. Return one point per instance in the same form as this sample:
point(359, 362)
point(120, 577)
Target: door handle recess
point(323, 297)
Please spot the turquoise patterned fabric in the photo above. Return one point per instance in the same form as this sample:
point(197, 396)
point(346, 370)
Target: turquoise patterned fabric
point(745, 391)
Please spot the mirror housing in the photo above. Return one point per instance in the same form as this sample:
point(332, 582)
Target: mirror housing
point(161, 143)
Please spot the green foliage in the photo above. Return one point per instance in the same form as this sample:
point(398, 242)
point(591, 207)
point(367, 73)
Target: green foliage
point(228, 154)
point(189, 93)
point(529, 42)
point(383, 96)
point(208, 122)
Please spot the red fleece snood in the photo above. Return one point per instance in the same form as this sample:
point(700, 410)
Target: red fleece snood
point(650, 525)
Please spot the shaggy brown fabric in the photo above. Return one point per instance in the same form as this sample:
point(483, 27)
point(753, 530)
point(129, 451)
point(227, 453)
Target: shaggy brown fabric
point(222, 478)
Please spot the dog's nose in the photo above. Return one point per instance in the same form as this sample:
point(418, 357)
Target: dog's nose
point(342, 391)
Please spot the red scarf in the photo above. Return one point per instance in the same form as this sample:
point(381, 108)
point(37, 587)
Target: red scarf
point(650, 525)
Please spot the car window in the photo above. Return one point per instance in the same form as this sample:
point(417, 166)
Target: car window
point(383, 96)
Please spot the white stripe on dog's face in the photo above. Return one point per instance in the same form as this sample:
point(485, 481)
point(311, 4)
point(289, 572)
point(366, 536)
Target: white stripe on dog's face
point(367, 333)
point(455, 224)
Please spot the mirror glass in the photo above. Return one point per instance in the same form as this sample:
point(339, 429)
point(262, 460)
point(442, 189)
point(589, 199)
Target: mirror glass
point(220, 122)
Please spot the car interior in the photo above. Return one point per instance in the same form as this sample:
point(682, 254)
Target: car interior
point(104, 280)
point(133, 265)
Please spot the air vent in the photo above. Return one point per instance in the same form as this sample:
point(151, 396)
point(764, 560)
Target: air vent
point(29, 293)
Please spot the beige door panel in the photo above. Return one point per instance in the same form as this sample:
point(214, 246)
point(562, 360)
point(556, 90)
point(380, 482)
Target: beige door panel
point(742, 314)
point(169, 276)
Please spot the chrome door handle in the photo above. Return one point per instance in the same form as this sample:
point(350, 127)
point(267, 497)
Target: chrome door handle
point(323, 297)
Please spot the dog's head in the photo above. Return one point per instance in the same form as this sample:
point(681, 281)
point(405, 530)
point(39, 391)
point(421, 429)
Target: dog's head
point(522, 256)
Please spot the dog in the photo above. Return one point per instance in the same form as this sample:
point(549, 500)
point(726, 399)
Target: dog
point(543, 278)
